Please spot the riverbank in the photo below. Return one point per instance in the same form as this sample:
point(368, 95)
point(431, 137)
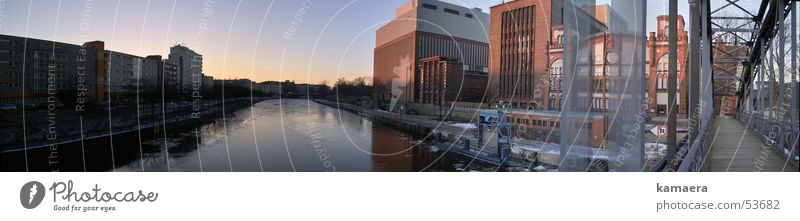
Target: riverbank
point(524, 153)
point(107, 148)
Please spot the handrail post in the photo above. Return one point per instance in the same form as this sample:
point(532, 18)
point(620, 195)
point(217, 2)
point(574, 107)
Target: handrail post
point(672, 83)
point(694, 68)
point(781, 73)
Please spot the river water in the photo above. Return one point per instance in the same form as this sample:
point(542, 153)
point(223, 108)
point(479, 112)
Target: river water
point(288, 135)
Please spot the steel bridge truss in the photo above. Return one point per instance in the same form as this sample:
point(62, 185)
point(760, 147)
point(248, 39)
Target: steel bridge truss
point(754, 75)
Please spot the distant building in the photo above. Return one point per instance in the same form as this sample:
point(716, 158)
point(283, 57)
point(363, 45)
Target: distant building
point(148, 81)
point(47, 67)
point(444, 80)
point(600, 79)
point(308, 90)
point(544, 125)
point(519, 37)
point(129, 75)
point(208, 83)
point(658, 67)
point(301, 89)
point(122, 74)
point(242, 82)
point(100, 69)
point(287, 88)
point(169, 79)
point(422, 29)
point(530, 77)
point(269, 87)
point(726, 68)
point(190, 67)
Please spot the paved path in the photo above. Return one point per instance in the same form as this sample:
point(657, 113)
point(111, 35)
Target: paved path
point(735, 149)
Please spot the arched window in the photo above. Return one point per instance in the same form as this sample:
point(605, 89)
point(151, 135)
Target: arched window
point(666, 31)
point(663, 63)
point(556, 71)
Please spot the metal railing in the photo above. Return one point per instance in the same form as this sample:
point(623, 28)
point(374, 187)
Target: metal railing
point(771, 131)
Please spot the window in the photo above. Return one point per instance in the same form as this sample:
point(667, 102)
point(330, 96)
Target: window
point(468, 15)
point(662, 81)
point(663, 63)
point(428, 6)
point(451, 11)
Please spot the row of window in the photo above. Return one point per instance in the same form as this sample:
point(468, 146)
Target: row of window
point(447, 10)
point(661, 81)
point(517, 17)
point(555, 83)
point(467, 53)
point(9, 85)
point(599, 103)
point(555, 102)
point(534, 122)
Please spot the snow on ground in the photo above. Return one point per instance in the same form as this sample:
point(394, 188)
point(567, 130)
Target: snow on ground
point(464, 125)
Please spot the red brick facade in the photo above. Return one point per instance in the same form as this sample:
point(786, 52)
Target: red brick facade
point(518, 39)
point(526, 50)
point(657, 67)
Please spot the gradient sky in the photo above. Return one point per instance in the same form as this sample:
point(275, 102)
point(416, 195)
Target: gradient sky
point(335, 38)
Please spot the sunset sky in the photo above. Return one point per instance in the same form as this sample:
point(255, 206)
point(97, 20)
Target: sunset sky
point(335, 38)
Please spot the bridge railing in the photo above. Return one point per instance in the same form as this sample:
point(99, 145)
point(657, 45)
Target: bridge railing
point(771, 131)
point(697, 153)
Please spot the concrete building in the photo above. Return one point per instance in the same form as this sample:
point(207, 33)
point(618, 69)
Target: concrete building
point(444, 80)
point(287, 88)
point(47, 67)
point(100, 69)
point(160, 76)
point(208, 83)
point(307, 90)
point(148, 81)
point(422, 29)
point(124, 75)
point(269, 87)
point(169, 78)
point(241, 82)
point(519, 35)
point(190, 67)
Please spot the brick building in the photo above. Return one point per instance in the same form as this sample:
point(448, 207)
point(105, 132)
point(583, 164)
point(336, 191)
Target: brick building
point(444, 80)
point(599, 102)
point(658, 65)
point(519, 35)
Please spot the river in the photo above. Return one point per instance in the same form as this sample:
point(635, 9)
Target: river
point(272, 135)
point(288, 135)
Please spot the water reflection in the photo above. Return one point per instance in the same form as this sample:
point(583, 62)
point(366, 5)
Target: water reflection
point(272, 135)
point(283, 135)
